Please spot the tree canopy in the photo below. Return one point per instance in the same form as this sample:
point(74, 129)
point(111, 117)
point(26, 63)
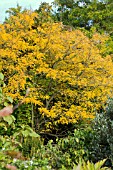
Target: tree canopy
point(68, 75)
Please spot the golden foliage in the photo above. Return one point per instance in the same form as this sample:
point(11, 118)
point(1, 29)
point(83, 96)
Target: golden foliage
point(69, 77)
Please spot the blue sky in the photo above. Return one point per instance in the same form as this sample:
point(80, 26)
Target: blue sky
point(6, 4)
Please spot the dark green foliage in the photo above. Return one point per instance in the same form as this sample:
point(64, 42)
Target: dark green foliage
point(100, 147)
point(102, 141)
point(86, 14)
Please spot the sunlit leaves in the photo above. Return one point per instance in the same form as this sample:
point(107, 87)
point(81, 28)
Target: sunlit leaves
point(69, 75)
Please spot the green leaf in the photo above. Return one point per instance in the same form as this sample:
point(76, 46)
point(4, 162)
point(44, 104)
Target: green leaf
point(34, 134)
point(0, 90)
point(25, 133)
point(99, 164)
point(5, 104)
point(9, 99)
point(1, 76)
point(77, 140)
point(9, 119)
point(16, 134)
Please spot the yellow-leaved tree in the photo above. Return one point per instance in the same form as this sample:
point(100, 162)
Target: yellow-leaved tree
point(65, 70)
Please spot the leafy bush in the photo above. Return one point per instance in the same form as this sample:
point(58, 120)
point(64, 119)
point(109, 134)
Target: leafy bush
point(101, 145)
point(66, 151)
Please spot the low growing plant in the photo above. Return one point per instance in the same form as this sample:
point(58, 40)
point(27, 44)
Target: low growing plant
point(91, 166)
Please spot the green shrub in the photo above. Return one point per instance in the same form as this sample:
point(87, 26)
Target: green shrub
point(66, 151)
point(101, 145)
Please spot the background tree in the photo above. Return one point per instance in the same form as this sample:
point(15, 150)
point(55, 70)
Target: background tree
point(86, 14)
